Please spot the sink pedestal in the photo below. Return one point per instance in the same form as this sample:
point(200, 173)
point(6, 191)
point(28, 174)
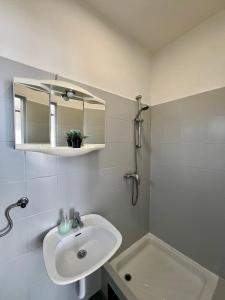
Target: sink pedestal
point(81, 288)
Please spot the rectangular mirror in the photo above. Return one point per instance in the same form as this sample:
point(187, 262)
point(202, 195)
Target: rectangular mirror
point(31, 113)
point(46, 111)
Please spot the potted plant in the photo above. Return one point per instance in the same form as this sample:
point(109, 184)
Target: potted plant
point(69, 138)
point(75, 138)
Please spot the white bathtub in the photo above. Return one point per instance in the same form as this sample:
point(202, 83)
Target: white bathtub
point(159, 272)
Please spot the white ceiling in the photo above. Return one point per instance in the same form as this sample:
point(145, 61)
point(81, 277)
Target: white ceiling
point(155, 23)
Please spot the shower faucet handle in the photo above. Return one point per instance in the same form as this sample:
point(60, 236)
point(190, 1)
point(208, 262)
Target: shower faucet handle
point(134, 176)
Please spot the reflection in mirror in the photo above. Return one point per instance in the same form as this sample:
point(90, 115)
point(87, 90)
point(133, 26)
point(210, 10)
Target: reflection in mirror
point(31, 112)
point(94, 121)
point(66, 114)
point(44, 111)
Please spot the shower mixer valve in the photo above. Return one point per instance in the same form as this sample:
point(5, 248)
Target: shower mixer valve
point(133, 176)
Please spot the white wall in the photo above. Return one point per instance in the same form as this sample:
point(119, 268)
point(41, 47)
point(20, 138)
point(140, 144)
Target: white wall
point(192, 64)
point(69, 38)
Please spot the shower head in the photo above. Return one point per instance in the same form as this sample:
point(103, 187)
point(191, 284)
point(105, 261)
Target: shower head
point(146, 107)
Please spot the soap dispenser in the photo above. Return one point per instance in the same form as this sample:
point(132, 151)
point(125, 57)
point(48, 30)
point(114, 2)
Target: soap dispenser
point(65, 225)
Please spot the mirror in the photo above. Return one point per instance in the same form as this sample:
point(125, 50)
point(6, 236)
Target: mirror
point(94, 121)
point(45, 110)
point(31, 113)
point(65, 115)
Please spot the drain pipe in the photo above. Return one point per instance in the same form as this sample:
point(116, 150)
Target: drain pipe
point(81, 288)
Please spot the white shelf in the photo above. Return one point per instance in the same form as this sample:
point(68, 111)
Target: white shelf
point(61, 151)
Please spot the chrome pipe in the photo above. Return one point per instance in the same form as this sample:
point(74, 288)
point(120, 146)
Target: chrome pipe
point(22, 202)
point(138, 122)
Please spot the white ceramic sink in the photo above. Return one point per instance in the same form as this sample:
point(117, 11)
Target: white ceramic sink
point(98, 237)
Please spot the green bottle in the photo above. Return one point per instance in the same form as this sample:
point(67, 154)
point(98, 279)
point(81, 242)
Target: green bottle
point(65, 225)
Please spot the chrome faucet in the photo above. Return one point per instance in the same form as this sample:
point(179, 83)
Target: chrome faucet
point(134, 176)
point(77, 220)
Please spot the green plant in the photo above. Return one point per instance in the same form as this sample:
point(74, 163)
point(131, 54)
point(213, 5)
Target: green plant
point(75, 134)
point(68, 134)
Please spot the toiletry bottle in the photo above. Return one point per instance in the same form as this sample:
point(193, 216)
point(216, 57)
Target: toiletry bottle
point(65, 225)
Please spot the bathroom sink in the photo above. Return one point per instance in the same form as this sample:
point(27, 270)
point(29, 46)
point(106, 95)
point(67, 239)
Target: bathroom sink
point(71, 257)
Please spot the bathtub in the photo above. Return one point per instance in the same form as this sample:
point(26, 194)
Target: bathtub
point(152, 270)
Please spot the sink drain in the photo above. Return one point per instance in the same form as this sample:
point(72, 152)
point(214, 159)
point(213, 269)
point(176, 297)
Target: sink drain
point(127, 277)
point(81, 254)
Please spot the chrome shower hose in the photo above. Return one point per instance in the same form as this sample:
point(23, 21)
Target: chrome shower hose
point(22, 203)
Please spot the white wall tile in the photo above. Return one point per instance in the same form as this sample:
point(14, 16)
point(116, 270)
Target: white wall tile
point(43, 194)
point(6, 120)
point(12, 163)
point(40, 165)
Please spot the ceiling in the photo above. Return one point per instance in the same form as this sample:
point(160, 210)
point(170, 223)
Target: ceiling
point(155, 23)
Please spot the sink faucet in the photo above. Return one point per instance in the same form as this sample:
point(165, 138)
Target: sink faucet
point(77, 220)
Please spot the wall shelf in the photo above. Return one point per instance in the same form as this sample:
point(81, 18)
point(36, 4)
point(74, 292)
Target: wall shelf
point(61, 151)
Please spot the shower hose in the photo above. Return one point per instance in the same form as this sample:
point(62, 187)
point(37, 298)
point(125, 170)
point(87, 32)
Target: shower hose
point(134, 198)
point(22, 203)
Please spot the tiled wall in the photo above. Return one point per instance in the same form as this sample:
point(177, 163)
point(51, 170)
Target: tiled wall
point(187, 205)
point(92, 184)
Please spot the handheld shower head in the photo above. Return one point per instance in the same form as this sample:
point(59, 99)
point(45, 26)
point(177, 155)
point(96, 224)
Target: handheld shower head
point(146, 107)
